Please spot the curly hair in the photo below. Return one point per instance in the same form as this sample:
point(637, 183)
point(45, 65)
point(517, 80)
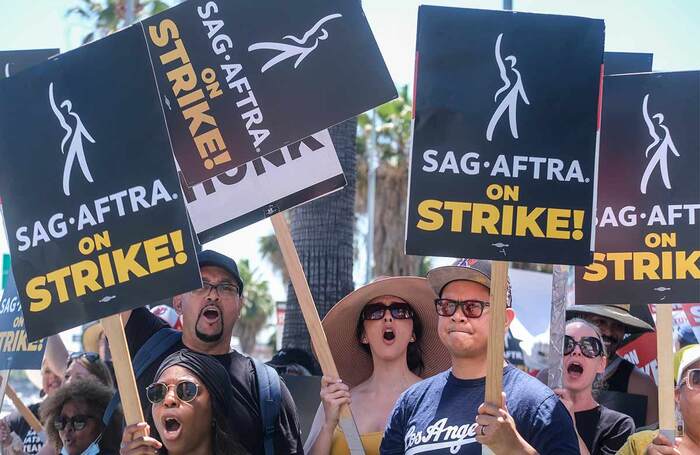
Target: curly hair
point(93, 394)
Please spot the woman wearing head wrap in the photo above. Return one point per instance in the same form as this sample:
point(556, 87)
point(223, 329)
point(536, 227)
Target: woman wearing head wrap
point(377, 335)
point(191, 401)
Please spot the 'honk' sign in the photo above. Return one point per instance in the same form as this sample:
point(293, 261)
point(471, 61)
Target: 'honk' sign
point(503, 156)
point(95, 217)
point(648, 239)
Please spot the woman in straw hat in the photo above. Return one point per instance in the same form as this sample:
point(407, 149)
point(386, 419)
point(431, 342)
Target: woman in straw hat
point(377, 335)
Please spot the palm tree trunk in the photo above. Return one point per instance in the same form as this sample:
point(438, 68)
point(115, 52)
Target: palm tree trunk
point(323, 234)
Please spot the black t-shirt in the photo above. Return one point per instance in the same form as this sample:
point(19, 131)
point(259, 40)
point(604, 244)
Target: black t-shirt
point(31, 443)
point(603, 430)
point(248, 424)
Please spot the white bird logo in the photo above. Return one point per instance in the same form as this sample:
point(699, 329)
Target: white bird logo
point(660, 157)
point(287, 51)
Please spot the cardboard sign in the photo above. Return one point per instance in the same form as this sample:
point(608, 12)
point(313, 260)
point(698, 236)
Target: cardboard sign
point(240, 79)
point(503, 156)
point(256, 190)
point(16, 353)
point(12, 62)
point(93, 210)
point(627, 62)
point(648, 239)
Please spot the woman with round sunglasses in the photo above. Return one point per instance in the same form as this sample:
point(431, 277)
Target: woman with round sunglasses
point(600, 430)
point(72, 419)
point(191, 405)
point(377, 335)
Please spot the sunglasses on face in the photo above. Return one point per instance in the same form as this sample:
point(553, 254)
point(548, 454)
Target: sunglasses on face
point(692, 379)
point(91, 357)
point(78, 422)
point(591, 347)
point(376, 311)
point(472, 309)
point(186, 391)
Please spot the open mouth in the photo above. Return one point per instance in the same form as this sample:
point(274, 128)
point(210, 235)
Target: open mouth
point(172, 425)
point(574, 369)
point(211, 313)
point(389, 335)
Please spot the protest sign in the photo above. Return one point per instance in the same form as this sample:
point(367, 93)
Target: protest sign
point(238, 82)
point(93, 209)
point(12, 62)
point(627, 62)
point(16, 353)
point(504, 152)
point(256, 190)
point(647, 238)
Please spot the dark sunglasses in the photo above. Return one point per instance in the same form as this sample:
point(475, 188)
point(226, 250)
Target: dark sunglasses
point(186, 391)
point(376, 311)
point(78, 422)
point(472, 309)
point(591, 347)
point(91, 357)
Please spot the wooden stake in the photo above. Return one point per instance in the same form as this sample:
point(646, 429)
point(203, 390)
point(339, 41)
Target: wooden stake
point(557, 326)
point(114, 330)
point(496, 345)
point(313, 323)
point(22, 408)
point(664, 358)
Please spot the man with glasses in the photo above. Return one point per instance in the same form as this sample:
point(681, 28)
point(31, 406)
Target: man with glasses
point(208, 317)
point(446, 414)
point(687, 395)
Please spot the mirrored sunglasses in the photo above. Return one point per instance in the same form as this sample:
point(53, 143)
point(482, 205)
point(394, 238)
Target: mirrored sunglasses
point(376, 311)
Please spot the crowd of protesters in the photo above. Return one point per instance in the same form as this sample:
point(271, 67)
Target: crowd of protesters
point(411, 359)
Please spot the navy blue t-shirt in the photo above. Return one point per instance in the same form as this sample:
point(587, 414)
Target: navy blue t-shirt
point(438, 416)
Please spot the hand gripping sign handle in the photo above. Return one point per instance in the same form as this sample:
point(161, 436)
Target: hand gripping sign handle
point(664, 357)
point(313, 324)
point(26, 413)
point(123, 370)
point(496, 344)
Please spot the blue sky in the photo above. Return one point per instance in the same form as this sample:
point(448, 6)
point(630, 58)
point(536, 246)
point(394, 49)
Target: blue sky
point(670, 29)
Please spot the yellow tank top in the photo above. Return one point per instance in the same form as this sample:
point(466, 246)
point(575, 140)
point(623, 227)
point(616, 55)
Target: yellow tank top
point(370, 442)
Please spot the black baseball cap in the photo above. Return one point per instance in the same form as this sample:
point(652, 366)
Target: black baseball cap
point(213, 258)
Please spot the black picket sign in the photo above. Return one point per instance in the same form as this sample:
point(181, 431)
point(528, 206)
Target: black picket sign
point(504, 144)
point(93, 209)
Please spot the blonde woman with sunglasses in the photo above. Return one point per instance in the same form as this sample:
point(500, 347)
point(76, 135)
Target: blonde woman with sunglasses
point(600, 430)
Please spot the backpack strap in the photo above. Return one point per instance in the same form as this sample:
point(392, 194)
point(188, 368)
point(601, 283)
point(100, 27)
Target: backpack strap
point(157, 345)
point(270, 396)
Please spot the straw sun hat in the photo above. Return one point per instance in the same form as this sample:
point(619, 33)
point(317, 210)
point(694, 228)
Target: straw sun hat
point(354, 363)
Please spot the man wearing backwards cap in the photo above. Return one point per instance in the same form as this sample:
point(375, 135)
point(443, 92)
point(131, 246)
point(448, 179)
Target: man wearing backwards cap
point(614, 321)
point(208, 316)
point(445, 414)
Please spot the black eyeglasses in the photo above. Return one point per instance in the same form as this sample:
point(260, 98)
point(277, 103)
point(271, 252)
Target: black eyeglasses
point(186, 391)
point(472, 309)
point(78, 422)
point(591, 347)
point(376, 311)
point(222, 289)
point(91, 357)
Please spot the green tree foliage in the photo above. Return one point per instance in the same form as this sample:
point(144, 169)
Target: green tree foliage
point(257, 306)
point(107, 16)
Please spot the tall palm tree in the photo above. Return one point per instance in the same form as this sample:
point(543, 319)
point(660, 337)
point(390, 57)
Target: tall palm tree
point(323, 234)
point(257, 307)
point(108, 16)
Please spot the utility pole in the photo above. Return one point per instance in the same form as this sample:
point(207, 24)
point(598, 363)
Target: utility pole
point(508, 5)
point(371, 192)
point(130, 15)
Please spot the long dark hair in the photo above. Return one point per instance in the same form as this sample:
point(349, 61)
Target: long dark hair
point(414, 353)
point(214, 377)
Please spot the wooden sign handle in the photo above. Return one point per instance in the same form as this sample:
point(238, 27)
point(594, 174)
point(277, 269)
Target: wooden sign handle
point(310, 314)
point(496, 345)
point(128, 392)
point(664, 358)
point(26, 413)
